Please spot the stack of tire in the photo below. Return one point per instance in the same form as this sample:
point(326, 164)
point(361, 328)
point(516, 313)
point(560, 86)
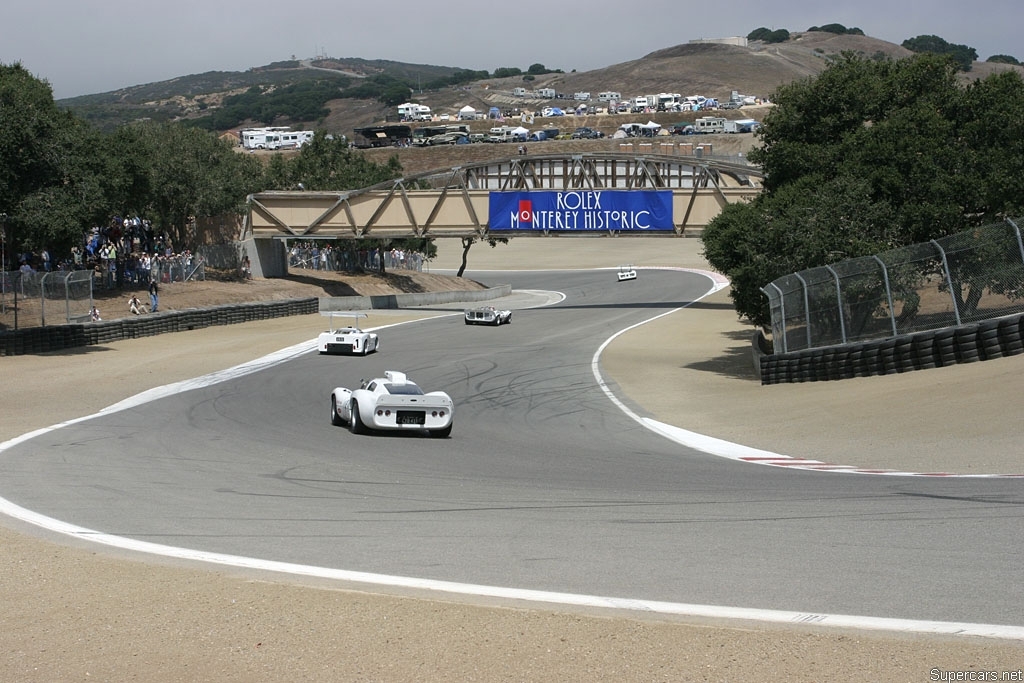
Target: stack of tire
point(985, 340)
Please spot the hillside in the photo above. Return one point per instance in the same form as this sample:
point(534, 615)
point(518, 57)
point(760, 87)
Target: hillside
point(709, 69)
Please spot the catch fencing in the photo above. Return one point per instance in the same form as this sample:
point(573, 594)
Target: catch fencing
point(30, 299)
point(964, 278)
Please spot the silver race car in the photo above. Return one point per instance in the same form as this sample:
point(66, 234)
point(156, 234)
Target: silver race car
point(350, 339)
point(392, 402)
point(487, 315)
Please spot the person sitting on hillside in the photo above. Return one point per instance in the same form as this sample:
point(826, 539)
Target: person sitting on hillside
point(135, 306)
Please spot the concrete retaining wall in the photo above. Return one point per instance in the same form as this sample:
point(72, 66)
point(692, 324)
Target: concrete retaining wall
point(359, 303)
point(34, 340)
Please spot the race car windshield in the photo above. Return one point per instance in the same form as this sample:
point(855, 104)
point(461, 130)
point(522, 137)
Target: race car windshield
point(408, 389)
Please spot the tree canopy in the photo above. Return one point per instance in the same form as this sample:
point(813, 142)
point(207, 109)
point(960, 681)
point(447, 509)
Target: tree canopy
point(963, 55)
point(59, 176)
point(868, 156)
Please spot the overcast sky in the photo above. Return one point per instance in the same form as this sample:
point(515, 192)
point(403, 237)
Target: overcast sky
point(90, 46)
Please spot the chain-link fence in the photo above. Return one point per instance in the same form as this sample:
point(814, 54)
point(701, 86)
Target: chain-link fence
point(962, 278)
point(30, 299)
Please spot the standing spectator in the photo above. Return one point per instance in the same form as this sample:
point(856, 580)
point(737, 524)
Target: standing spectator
point(154, 292)
point(46, 260)
point(76, 255)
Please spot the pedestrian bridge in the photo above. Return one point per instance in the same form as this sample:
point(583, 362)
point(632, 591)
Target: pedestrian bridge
point(455, 202)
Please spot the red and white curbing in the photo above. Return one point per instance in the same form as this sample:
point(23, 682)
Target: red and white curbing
point(733, 451)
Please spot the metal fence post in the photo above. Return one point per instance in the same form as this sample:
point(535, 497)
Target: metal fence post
point(782, 309)
point(888, 293)
point(839, 303)
point(807, 308)
point(1020, 243)
point(949, 280)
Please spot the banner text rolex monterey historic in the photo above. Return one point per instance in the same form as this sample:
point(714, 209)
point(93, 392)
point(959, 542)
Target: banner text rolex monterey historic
point(624, 210)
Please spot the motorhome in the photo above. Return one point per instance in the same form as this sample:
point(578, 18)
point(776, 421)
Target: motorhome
point(668, 101)
point(274, 137)
point(507, 134)
point(545, 93)
point(519, 92)
point(581, 96)
point(609, 96)
point(639, 104)
point(410, 111)
point(710, 124)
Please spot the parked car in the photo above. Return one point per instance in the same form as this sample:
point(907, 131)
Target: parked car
point(584, 133)
point(392, 402)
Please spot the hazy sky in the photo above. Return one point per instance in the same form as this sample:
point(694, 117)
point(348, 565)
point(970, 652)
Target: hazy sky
point(90, 46)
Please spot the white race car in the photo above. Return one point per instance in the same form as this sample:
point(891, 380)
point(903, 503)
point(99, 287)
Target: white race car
point(392, 402)
point(347, 339)
point(627, 273)
point(487, 315)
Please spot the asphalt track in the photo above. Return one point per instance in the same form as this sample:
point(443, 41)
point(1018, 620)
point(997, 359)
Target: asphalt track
point(546, 483)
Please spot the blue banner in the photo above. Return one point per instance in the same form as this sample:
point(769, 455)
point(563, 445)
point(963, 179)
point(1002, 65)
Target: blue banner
point(582, 211)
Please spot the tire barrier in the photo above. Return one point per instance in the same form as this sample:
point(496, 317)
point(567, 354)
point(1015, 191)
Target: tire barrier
point(35, 340)
point(1010, 337)
point(987, 340)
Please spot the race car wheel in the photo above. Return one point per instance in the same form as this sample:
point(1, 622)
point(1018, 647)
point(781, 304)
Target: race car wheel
point(335, 419)
point(355, 423)
point(441, 433)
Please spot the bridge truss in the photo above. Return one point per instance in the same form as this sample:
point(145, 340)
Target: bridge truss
point(454, 202)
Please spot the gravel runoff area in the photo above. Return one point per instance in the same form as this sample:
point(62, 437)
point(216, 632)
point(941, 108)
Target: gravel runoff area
point(73, 611)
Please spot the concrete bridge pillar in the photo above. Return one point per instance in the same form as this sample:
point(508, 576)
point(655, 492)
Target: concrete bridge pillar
point(267, 257)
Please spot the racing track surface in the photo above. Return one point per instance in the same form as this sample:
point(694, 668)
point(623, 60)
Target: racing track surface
point(545, 484)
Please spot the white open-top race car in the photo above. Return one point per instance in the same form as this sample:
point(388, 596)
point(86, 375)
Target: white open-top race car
point(349, 339)
point(392, 402)
point(627, 273)
point(487, 315)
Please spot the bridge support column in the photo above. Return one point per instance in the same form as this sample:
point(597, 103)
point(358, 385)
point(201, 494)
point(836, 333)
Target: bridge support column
point(267, 257)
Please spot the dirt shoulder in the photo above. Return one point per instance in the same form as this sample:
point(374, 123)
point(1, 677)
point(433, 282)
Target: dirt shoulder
point(74, 611)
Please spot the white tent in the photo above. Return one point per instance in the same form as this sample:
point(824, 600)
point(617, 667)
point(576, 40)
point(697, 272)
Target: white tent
point(467, 113)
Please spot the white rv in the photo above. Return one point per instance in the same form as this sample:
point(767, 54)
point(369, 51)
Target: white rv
point(710, 124)
point(507, 134)
point(668, 101)
point(581, 96)
point(261, 138)
point(639, 104)
point(609, 96)
point(519, 92)
point(545, 93)
point(410, 111)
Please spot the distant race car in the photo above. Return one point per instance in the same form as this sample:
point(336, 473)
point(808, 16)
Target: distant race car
point(627, 273)
point(392, 402)
point(351, 340)
point(487, 315)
